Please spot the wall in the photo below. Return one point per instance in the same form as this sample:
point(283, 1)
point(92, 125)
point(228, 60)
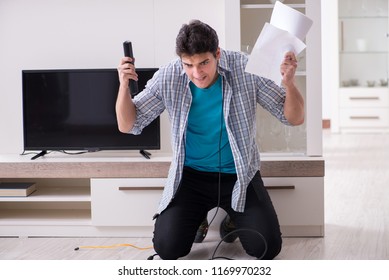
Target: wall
point(54, 34)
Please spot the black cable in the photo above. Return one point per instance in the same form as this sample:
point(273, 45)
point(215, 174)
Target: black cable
point(219, 194)
point(74, 153)
point(152, 257)
point(234, 232)
point(24, 153)
point(220, 165)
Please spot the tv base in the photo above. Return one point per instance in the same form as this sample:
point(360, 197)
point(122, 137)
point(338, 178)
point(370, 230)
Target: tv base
point(41, 154)
point(145, 154)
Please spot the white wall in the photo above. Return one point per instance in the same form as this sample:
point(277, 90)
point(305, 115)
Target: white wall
point(54, 34)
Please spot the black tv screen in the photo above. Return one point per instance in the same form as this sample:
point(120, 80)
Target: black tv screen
point(75, 110)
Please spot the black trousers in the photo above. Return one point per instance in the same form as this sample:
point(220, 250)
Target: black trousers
point(175, 228)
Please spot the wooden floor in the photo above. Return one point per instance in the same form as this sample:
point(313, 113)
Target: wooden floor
point(356, 214)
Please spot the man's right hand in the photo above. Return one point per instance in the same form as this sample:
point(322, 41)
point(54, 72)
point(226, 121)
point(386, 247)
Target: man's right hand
point(126, 71)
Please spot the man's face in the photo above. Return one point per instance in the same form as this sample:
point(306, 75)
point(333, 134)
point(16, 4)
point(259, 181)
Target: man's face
point(201, 68)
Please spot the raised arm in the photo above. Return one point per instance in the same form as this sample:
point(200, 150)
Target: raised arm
point(125, 108)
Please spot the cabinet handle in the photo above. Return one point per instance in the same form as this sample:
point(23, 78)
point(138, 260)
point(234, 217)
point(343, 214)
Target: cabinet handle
point(365, 98)
point(140, 188)
point(364, 117)
point(280, 187)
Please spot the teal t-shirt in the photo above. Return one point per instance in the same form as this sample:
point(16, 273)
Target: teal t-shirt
point(207, 145)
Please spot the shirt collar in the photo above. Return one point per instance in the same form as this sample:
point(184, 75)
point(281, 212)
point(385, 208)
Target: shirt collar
point(223, 66)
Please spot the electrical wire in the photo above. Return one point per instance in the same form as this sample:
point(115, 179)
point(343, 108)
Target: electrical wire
point(218, 203)
point(24, 153)
point(113, 246)
point(220, 165)
point(234, 232)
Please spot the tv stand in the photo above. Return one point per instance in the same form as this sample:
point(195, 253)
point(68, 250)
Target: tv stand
point(118, 196)
point(41, 154)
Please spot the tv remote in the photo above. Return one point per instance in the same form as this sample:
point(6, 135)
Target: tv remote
point(127, 46)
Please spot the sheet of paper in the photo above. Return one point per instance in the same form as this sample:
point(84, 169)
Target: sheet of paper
point(285, 32)
point(268, 52)
point(291, 20)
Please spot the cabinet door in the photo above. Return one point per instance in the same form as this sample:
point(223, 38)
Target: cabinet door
point(299, 203)
point(363, 43)
point(125, 202)
point(274, 137)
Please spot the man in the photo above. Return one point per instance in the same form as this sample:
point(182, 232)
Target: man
point(211, 102)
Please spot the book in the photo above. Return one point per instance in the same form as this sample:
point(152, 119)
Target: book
point(17, 188)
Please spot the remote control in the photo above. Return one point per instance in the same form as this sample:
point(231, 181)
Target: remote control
point(127, 46)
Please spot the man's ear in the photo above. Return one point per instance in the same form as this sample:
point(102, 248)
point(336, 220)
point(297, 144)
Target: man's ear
point(217, 54)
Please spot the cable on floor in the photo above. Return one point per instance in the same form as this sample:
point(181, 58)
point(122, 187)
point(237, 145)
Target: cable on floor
point(113, 246)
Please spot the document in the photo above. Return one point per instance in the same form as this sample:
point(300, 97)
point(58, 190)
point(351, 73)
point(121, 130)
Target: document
point(291, 20)
point(285, 32)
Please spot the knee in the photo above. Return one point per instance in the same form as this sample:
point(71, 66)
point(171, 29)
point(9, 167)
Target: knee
point(169, 248)
point(265, 248)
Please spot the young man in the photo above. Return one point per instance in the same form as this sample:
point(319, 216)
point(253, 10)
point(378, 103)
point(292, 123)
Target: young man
point(211, 102)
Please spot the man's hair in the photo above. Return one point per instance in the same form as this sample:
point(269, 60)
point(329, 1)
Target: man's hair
point(195, 38)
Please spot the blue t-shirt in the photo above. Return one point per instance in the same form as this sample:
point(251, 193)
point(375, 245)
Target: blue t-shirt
point(207, 145)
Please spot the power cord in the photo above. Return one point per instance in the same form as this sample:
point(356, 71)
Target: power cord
point(218, 203)
point(113, 246)
point(46, 152)
point(234, 232)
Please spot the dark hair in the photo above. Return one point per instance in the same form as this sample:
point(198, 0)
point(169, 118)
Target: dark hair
point(195, 38)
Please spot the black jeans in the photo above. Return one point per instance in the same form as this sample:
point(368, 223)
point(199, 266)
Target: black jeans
point(175, 228)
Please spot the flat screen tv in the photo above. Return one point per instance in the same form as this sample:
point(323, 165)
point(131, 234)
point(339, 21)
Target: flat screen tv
point(75, 110)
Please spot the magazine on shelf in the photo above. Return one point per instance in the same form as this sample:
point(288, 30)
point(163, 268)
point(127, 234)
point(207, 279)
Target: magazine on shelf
point(17, 188)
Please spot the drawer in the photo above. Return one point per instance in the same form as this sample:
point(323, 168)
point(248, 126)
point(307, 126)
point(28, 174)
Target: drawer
point(299, 201)
point(364, 117)
point(125, 202)
point(364, 98)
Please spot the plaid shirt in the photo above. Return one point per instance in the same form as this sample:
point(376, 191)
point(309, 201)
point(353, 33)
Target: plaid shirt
point(169, 89)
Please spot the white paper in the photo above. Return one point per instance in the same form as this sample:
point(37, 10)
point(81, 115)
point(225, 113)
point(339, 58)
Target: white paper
point(268, 52)
point(291, 20)
point(274, 41)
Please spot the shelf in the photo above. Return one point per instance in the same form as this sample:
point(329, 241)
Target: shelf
point(40, 217)
point(270, 6)
point(363, 90)
point(54, 194)
point(364, 52)
point(363, 17)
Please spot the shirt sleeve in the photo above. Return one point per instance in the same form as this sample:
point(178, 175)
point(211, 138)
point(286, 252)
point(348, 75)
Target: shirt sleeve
point(272, 98)
point(148, 104)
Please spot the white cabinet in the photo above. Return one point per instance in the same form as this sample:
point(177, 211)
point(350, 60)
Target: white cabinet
point(361, 99)
point(362, 109)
